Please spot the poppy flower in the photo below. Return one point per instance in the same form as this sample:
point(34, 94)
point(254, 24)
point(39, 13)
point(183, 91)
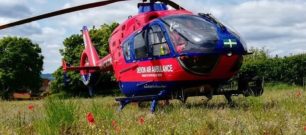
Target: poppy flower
point(304, 128)
point(141, 120)
point(115, 126)
point(117, 129)
point(90, 118)
point(31, 107)
point(114, 123)
point(298, 93)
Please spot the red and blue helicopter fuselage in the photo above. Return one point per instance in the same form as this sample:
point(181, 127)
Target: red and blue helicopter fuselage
point(167, 50)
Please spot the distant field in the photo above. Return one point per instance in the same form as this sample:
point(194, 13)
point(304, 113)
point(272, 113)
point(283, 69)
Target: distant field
point(281, 110)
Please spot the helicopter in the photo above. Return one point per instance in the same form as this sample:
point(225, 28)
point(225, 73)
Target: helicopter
point(164, 54)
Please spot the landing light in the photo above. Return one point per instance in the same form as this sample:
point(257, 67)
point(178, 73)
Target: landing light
point(229, 54)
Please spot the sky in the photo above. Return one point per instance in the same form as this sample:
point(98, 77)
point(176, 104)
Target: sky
point(276, 25)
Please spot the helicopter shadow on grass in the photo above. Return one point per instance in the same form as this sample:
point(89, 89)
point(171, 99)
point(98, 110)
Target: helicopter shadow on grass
point(161, 107)
point(245, 105)
point(237, 104)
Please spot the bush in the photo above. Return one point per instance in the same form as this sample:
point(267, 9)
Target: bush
point(275, 69)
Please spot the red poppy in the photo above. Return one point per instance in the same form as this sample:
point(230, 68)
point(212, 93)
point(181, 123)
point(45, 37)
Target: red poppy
point(141, 120)
point(90, 118)
point(115, 126)
point(31, 107)
point(117, 129)
point(298, 93)
point(304, 128)
point(114, 123)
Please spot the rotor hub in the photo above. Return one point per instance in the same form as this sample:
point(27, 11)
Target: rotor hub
point(152, 6)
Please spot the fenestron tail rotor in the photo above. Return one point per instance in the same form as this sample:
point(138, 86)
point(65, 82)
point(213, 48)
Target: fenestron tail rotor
point(76, 8)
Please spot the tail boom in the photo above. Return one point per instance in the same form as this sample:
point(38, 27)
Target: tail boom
point(106, 64)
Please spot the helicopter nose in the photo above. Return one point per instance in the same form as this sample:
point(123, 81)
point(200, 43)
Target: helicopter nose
point(231, 43)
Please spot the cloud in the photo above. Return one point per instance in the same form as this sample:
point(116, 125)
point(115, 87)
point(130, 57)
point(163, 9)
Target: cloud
point(117, 12)
point(50, 40)
point(278, 25)
point(13, 9)
point(23, 31)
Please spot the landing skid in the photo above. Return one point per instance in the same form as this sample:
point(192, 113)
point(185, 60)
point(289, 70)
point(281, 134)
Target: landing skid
point(154, 98)
point(245, 85)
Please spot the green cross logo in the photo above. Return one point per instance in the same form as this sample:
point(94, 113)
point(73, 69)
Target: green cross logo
point(230, 43)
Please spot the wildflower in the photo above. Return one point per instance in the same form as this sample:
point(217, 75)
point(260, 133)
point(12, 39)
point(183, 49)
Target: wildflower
point(115, 126)
point(266, 132)
point(298, 93)
point(90, 118)
point(141, 120)
point(31, 107)
point(114, 123)
point(304, 128)
point(117, 129)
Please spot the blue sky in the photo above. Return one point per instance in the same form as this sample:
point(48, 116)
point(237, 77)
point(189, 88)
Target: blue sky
point(277, 25)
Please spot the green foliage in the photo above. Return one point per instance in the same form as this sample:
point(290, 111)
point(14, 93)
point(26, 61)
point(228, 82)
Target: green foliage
point(74, 86)
point(278, 86)
point(21, 64)
point(289, 69)
point(73, 47)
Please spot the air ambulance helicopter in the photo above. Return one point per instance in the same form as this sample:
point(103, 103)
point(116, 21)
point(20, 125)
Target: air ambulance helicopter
point(163, 54)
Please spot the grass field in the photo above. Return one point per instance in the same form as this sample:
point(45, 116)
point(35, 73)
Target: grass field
point(281, 110)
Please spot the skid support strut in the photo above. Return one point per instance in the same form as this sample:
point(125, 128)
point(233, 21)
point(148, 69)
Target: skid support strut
point(123, 103)
point(154, 98)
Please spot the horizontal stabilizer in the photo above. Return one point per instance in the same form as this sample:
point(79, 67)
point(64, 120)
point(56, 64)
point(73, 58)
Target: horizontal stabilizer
point(67, 67)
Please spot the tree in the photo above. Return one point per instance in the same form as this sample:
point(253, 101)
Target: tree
point(73, 47)
point(21, 63)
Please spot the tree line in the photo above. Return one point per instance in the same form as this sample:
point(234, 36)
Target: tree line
point(287, 69)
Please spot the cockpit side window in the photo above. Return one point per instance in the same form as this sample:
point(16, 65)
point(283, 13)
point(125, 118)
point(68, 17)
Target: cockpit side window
point(127, 50)
point(157, 41)
point(141, 50)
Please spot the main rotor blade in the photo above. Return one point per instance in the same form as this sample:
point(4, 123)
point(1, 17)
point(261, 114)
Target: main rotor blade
point(77, 8)
point(59, 12)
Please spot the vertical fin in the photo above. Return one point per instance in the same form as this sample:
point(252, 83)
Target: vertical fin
point(90, 50)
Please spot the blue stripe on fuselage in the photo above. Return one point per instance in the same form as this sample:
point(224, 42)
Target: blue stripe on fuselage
point(153, 88)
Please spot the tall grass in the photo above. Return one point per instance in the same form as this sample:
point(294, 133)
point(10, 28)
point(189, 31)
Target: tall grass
point(60, 117)
point(278, 111)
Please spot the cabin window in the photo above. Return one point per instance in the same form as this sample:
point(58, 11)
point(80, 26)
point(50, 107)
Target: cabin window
point(157, 41)
point(127, 50)
point(141, 50)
